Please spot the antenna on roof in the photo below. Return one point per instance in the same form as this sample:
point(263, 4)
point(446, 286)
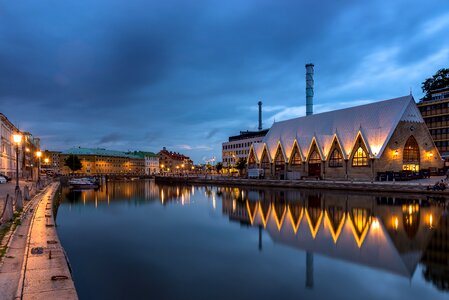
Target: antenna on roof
point(410, 91)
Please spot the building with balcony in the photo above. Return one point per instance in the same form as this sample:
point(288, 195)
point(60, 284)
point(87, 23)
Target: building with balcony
point(435, 113)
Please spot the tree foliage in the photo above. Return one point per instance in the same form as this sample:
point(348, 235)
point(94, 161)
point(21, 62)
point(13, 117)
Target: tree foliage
point(73, 162)
point(437, 81)
point(219, 167)
point(241, 164)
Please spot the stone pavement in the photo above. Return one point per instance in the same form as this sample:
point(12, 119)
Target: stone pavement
point(34, 266)
point(9, 188)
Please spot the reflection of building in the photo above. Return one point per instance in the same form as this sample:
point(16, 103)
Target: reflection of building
point(356, 142)
point(104, 162)
point(436, 256)
point(435, 113)
point(357, 228)
point(174, 162)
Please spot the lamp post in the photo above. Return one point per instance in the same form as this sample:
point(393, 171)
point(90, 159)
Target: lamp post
point(39, 154)
point(17, 139)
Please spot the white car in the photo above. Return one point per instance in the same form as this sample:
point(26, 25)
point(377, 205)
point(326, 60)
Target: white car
point(2, 179)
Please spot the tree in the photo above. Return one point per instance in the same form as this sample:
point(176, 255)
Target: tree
point(219, 167)
point(437, 81)
point(73, 162)
point(241, 165)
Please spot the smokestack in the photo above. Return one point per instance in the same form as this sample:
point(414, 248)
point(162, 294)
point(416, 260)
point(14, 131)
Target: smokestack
point(260, 115)
point(309, 89)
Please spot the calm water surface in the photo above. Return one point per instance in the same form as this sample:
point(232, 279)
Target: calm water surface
point(139, 240)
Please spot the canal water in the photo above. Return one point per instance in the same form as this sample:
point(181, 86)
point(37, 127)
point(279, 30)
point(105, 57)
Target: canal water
point(140, 240)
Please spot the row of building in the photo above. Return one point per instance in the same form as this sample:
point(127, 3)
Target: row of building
point(22, 154)
point(357, 142)
point(98, 161)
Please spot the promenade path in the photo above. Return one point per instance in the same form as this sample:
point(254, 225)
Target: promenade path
point(35, 266)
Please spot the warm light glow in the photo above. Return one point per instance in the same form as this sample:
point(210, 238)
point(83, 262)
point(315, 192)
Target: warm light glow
point(430, 221)
point(177, 167)
point(429, 154)
point(395, 223)
point(395, 153)
point(193, 168)
point(234, 205)
point(182, 166)
point(27, 149)
point(376, 224)
point(17, 138)
point(46, 160)
point(38, 153)
point(162, 166)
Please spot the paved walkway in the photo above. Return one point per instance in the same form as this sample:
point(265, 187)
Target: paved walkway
point(34, 266)
point(9, 188)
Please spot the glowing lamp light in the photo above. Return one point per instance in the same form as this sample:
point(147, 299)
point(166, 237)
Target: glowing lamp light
point(17, 138)
point(46, 160)
point(38, 153)
point(429, 155)
point(182, 166)
point(376, 224)
point(193, 168)
point(395, 223)
point(162, 166)
point(395, 153)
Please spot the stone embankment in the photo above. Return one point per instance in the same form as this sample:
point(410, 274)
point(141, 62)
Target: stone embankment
point(35, 265)
point(420, 187)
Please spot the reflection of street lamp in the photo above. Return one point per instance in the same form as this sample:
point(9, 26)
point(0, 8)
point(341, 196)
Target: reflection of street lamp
point(17, 139)
point(39, 154)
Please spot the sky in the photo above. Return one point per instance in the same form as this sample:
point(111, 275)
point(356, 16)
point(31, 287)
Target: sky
point(187, 74)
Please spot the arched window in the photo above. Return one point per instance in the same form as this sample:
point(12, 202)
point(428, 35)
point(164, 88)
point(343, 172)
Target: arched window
point(314, 157)
point(360, 158)
point(296, 157)
point(265, 161)
point(252, 160)
point(411, 155)
point(279, 158)
point(336, 159)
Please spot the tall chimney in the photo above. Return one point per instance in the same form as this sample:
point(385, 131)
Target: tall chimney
point(260, 115)
point(309, 89)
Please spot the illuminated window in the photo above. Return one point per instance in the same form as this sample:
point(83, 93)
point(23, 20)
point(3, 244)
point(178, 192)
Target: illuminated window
point(279, 159)
point(296, 157)
point(360, 158)
point(265, 161)
point(336, 159)
point(252, 160)
point(314, 157)
point(411, 155)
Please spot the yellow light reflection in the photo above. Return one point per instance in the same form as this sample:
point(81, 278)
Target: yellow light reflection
point(334, 232)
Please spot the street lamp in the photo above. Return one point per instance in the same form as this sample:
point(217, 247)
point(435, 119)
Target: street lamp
point(17, 139)
point(39, 154)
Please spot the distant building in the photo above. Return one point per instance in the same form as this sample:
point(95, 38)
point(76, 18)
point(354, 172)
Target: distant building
point(97, 161)
point(54, 163)
point(356, 142)
point(435, 113)
point(174, 162)
point(151, 161)
point(238, 146)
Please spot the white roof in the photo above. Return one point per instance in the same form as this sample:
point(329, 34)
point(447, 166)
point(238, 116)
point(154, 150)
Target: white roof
point(375, 122)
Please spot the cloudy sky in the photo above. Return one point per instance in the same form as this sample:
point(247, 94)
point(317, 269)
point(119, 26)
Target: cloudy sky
point(187, 74)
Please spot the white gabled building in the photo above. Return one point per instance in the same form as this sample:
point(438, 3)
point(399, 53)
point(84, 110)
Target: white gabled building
point(356, 142)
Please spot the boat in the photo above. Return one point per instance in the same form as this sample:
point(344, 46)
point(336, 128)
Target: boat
point(83, 183)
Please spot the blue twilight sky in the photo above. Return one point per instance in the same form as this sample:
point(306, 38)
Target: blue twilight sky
point(187, 74)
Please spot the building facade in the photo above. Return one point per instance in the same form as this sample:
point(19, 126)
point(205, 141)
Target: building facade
point(173, 162)
point(237, 147)
point(152, 164)
point(435, 113)
point(27, 149)
point(352, 143)
point(104, 162)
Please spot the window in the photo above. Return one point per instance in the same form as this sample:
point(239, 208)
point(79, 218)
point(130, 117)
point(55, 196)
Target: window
point(360, 158)
point(296, 157)
point(279, 160)
point(265, 161)
point(314, 157)
point(336, 159)
point(411, 150)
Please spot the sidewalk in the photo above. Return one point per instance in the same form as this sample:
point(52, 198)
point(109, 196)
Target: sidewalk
point(10, 187)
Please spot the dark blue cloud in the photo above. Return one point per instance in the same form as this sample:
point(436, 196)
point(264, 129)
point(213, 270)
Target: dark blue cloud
point(187, 74)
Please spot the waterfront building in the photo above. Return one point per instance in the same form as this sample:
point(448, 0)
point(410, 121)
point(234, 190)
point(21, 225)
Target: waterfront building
point(51, 162)
point(355, 143)
point(27, 150)
point(435, 113)
point(151, 161)
point(238, 146)
point(98, 161)
point(174, 162)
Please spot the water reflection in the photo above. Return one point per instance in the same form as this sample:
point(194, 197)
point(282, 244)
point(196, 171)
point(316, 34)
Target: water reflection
point(391, 233)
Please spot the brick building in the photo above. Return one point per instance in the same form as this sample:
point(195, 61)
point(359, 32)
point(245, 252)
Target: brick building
point(174, 162)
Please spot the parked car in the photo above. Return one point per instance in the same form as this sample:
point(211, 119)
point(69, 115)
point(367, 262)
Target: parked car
point(3, 179)
point(6, 177)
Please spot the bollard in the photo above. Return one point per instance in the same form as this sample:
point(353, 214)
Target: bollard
point(8, 212)
point(19, 200)
point(26, 193)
